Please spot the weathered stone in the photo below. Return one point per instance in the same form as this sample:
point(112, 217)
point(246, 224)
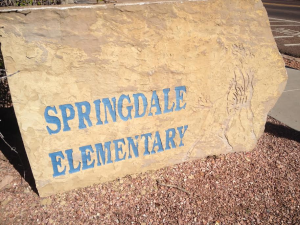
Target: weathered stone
point(216, 60)
point(46, 201)
point(6, 201)
point(6, 181)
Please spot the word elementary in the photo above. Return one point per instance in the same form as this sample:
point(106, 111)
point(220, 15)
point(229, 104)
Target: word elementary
point(117, 150)
point(114, 108)
point(101, 154)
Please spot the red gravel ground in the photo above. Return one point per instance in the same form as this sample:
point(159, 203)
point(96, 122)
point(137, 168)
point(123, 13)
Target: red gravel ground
point(258, 187)
point(292, 62)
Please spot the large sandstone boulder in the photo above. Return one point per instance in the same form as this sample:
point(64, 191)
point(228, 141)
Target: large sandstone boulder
point(109, 90)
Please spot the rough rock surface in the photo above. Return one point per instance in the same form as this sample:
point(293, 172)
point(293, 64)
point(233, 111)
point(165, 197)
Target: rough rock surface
point(222, 52)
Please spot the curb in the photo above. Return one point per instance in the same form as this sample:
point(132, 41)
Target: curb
point(290, 58)
point(291, 61)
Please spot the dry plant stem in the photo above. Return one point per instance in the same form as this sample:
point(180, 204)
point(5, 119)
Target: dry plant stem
point(9, 74)
point(14, 150)
point(172, 186)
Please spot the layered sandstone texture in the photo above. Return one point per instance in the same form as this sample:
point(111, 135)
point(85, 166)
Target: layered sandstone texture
point(104, 91)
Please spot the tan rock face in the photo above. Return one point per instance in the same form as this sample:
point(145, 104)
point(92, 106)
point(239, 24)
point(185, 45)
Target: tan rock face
point(109, 90)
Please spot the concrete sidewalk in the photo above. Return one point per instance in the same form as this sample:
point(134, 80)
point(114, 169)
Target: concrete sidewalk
point(287, 108)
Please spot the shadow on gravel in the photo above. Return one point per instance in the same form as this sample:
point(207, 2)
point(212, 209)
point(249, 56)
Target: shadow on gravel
point(282, 131)
point(10, 130)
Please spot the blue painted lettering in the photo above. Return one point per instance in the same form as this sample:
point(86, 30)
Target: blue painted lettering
point(65, 117)
point(112, 111)
point(122, 152)
point(136, 105)
point(56, 162)
point(166, 97)
point(97, 108)
point(179, 97)
point(157, 143)
point(146, 136)
point(181, 133)
point(119, 149)
point(154, 103)
point(83, 115)
point(133, 146)
point(101, 153)
point(170, 139)
point(52, 119)
point(86, 156)
point(70, 161)
point(120, 107)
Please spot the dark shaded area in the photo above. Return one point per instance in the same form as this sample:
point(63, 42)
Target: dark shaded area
point(10, 130)
point(5, 98)
point(289, 67)
point(282, 131)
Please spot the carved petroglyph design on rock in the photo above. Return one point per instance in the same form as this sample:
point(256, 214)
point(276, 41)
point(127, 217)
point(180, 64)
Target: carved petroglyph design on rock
point(240, 91)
